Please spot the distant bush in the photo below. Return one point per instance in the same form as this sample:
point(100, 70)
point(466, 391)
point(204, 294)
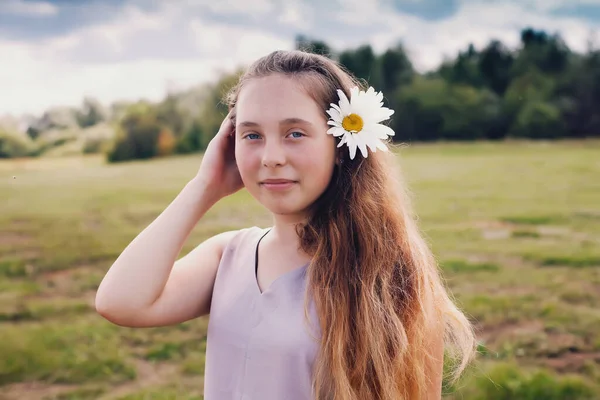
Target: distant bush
point(137, 136)
point(538, 120)
point(192, 140)
point(166, 142)
point(14, 144)
point(432, 109)
point(97, 139)
point(66, 149)
point(54, 138)
point(55, 118)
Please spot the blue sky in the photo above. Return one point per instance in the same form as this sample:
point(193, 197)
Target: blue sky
point(55, 52)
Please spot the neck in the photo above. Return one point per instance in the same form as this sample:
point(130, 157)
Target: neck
point(283, 235)
point(284, 228)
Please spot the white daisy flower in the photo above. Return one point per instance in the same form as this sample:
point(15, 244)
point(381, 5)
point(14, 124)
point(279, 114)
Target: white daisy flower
point(357, 121)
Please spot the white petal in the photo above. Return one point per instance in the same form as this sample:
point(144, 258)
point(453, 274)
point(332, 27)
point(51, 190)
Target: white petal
point(380, 114)
point(380, 131)
point(381, 145)
point(362, 145)
point(371, 142)
point(344, 103)
point(350, 140)
point(334, 123)
point(336, 107)
point(354, 93)
point(352, 147)
point(334, 114)
point(337, 131)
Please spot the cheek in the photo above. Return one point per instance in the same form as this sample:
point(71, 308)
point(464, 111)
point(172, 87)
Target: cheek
point(243, 159)
point(320, 162)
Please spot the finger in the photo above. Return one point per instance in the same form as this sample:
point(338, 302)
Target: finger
point(227, 127)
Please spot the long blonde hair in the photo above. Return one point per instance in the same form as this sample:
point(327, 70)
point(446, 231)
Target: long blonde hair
point(375, 284)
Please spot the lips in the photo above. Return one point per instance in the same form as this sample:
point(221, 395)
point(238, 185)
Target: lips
point(277, 181)
point(278, 184)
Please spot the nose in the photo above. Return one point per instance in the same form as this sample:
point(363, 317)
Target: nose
point(273, 154)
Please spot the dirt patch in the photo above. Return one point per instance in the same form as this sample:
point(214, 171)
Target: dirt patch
point(148, 374)
point(503, 260)
point(33, 390)
point(93, 223)
point(571, 361)
point(18, 239)
point(495, 230)
point(65, 281)
point(492, 335)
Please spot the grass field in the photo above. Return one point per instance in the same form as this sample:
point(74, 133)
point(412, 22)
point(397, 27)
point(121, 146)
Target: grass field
point(515, 226)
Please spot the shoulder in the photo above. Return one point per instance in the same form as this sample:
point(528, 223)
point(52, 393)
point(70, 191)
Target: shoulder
point(238, 241)
point(236, 255)
point(235, 238)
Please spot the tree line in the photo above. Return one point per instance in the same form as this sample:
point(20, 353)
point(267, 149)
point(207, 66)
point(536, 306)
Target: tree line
point(540, 90)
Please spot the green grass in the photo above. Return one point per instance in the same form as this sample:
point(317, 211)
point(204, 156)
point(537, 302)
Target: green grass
point(515, 225)
point(76, 350)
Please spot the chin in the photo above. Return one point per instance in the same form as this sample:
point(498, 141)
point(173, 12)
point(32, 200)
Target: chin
point(285, 208)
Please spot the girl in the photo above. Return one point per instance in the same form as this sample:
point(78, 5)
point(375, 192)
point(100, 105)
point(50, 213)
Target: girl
point(341, 297)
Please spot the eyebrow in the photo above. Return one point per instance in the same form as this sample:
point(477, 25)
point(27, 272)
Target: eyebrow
point(287, 121)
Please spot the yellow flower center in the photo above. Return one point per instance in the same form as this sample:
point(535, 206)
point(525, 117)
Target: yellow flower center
point(352, 123)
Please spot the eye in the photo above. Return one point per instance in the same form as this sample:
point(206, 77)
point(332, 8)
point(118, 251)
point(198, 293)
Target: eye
point(297, 134)
point(251, 136)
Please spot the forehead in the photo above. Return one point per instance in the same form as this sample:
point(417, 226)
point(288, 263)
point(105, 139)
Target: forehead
point(276, 97)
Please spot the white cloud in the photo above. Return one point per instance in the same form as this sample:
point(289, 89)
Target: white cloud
point(32, 85)
point(29, 8)
point(235, 43)
point(39, 75)
point(362, 12)
point(252, 8)
point(130, 20)
point(544, 5)
point(297, 14)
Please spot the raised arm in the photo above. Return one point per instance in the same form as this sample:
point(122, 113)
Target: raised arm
point(146, 286)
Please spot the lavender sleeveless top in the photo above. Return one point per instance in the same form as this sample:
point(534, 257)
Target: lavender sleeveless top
point(258, 344)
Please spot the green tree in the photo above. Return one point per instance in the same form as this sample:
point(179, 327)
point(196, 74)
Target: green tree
point(170, 114)
point(578, 94)
point(464, 69)
point(533, 86)
point(538, 120)
point(303, 43)
point(433, 109)
point(396, 69)
point(362, 63)
point(546, 53)
point(91, 113)
point(137, 136)
point(214, 108)
point(495, 64)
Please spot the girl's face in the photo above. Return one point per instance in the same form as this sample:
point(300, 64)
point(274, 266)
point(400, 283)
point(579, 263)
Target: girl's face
point(284, 155)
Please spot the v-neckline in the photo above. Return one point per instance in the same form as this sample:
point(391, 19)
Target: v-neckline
point(281, 277)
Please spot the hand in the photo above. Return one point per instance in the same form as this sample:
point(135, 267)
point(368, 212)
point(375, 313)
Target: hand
point(218, 170)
